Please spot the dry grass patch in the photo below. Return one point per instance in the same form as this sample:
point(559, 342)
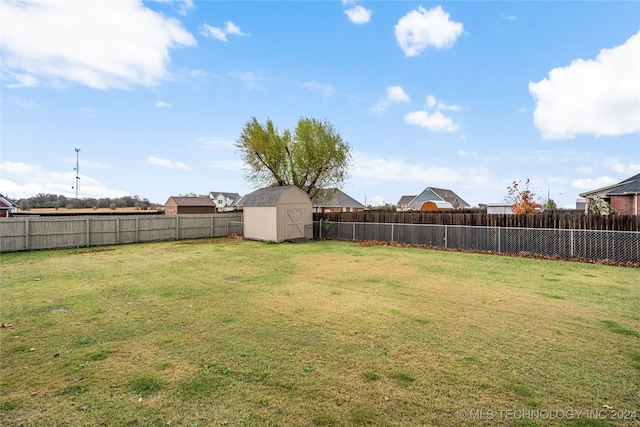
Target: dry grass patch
point(325, 333)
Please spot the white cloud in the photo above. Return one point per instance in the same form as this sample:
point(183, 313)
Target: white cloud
point(434, 122)
point(162, 104)
point(167, 163)
point(394, 94)
point(102, 45)
point(21, 180)
point(252, 80)
point(433, 102)
point(233, 165)
point(585, 169)
point(620, 167)
point(466, 153)
point(87, 163)
point(598, 97)
point(592, 184)
point(221, 33)
point(397, 94)
point(422, 28)
point(381, 169)
point(215, 143)
point(326, 89)
point(358, 14)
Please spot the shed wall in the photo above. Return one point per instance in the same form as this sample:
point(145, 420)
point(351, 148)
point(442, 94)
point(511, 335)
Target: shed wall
point(260, 223)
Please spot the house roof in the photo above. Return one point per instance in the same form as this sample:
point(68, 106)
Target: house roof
point(232, 196)
point(7, 203)
point(628, 186)
point(191, 201)
point(267, 196)
point(432, 193)
point(405, 200)
point(334, 197)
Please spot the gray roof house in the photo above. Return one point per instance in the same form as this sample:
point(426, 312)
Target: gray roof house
point(7, 207)
point(432, 194)
point(277, 214)
point(403, 203)
point(623, 196)
point(224, 201)
point(335, 200)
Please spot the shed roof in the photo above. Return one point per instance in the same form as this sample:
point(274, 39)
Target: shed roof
point(267, 196)
point(192, 201)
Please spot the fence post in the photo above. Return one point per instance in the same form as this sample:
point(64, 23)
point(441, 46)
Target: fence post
point(498, 239)
point(445, 236)
point(354, 232)
point(117, 230)
point(88, 227)
point(571, 243)
point(392, 232)
point(26, 234)
point(177, 226)
point(320, 230)
point(137, 230)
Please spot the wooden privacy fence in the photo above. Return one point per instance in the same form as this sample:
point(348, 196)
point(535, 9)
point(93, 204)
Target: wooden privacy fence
point(619, 246)
point(30, 233)
point(550, 219)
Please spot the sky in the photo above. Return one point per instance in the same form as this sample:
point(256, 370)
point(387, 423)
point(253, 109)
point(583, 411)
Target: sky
point(468, 95)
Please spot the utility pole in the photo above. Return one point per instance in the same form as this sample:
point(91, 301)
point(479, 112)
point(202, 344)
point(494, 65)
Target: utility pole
point(77, 169)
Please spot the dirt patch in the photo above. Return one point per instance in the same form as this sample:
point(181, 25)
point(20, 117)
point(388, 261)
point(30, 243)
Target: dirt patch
point(91, 251)
point(218, 241)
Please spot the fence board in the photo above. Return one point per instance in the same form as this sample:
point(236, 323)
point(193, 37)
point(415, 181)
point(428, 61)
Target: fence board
point(550, 219)
point(28, 233)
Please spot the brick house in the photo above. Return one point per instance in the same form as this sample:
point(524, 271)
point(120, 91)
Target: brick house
point(440, 196)
point(623, 197)
point(334, 200)
point(189, 205)
point(7, 207)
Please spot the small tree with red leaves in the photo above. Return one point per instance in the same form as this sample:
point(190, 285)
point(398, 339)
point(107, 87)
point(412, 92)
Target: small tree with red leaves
point(522, 201)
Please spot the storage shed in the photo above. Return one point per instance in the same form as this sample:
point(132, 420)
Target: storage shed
point(277, 214)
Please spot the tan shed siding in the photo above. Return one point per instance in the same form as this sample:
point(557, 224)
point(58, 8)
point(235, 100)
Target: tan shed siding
point(260, 223)
point(307, 215)
point(293, 195)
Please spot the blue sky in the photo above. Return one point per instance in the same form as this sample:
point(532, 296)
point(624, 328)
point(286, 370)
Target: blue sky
point(465, 95)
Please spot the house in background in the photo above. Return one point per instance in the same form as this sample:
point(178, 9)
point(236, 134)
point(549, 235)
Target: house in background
point(177, 205)
point(437, 195)
point(403, 203)
point(7, 207)
point(499, 208)
point(224, 202)
point(335, 200)
point(623, 196)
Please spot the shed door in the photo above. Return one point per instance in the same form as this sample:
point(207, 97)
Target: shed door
point(294, 224)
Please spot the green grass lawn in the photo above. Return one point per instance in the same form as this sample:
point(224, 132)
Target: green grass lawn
point(240, 333)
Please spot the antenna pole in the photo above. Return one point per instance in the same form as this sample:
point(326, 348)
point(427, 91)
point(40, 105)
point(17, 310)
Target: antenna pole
point(77, 169)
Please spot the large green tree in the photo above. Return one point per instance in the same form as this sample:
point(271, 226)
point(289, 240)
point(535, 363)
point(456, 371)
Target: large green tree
point(313, 157)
